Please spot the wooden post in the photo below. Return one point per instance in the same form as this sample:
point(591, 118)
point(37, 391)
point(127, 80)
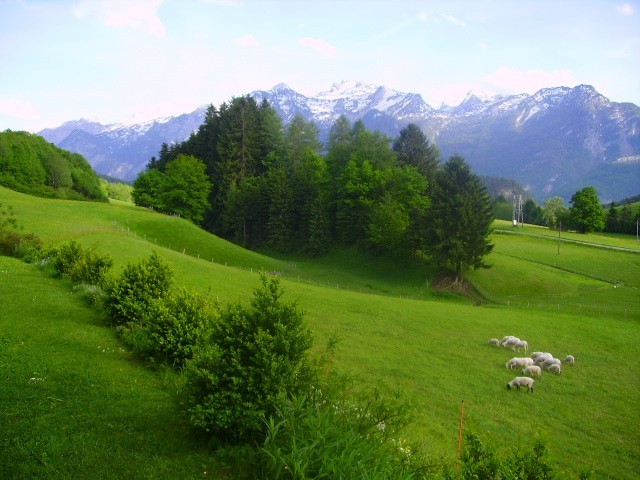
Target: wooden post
point(460, 434)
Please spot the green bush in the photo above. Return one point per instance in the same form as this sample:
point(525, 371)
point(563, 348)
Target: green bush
point(81, 265)
point(91, 268)
point(339, 440)
point(480, 461)
point(253, 359)
point(129, 297)
point(63, 258)
point(172, 328)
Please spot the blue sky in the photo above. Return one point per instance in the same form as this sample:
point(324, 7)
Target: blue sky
point(133, 60)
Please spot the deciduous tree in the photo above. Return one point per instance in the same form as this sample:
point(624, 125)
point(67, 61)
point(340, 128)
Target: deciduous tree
point(586, 211)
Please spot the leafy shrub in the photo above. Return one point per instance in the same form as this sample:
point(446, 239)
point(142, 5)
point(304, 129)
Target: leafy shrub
point(480, 461)
point(79, 264)
point(172, 328)
point(64, 258)
point(251, 361)
point(339, 440)
point(129, 297)
point(91, 268)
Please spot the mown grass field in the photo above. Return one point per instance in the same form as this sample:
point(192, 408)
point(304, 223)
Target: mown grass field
point(393, 329)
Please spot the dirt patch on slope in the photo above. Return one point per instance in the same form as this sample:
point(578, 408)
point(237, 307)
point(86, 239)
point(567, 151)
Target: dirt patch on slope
point(460, 286)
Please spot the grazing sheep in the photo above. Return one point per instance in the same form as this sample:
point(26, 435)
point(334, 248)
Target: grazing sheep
point(543, 357)
point(521, 382)
point(494, 342)
point(532, 370)
point(569, 359)
point(517, 362)
point(522, 344)
point(535, 355)
point(552, 361)
point(554, 368)
point(510, 342)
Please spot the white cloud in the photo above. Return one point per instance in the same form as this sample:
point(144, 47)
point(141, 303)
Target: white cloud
point(455, 21)
point(14, 107)
point(139, 14)
point(440, 18)
point(246, 41)
point(530, 81)
point(319, 45)
point(625, 9)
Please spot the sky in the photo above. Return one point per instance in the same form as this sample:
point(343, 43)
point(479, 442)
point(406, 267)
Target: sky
point(126, 61)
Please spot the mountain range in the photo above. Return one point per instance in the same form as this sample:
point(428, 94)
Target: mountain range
point(553, 142)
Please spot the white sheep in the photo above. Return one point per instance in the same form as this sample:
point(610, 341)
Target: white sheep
point(554, 368)
point(532, 370)
point(521, 382)
point(510, 342)
point(543, 357)
point(569, 359)
point(494, 342)
point(551, 361)
point(535, 355)
point(516, 362)
point(522, 344)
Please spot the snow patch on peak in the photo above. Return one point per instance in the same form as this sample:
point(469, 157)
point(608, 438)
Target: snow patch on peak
point(475, 96)
point(280, 87)
point(347, 88)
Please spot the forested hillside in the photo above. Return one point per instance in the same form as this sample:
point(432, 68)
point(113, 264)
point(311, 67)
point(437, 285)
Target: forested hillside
point(30, 164)
point(245, 177)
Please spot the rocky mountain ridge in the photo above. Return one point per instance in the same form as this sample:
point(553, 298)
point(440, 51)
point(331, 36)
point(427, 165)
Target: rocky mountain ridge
point(554, 142)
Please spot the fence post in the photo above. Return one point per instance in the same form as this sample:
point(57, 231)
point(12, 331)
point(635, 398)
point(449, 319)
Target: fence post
point(460, 434)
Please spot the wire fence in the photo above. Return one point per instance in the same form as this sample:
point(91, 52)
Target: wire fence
point(586, 309)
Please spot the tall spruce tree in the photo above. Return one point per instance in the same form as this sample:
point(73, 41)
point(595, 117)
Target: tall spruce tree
point(462, 217)
point(413, 148)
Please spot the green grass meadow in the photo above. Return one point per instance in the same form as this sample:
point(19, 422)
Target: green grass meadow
point(96, 405)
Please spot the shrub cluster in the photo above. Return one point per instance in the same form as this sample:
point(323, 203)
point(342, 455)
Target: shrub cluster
point(324, 436)
point(82, 265)
point(129, 297)
point(483, 461)
point(160, 322)
point(253, 360)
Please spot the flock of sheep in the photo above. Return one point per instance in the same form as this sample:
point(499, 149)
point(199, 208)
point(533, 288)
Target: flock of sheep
point(532, 365)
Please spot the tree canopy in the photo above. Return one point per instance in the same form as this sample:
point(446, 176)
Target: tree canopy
point(586, 211)
point(462, 217)
point(30, 164)
point(278, 186)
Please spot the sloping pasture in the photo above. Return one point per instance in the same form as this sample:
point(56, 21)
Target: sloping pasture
point(435, 352)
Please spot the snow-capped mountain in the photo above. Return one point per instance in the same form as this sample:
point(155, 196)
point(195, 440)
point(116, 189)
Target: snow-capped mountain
point(354, 100)
point(554, 142)
point(119, 150)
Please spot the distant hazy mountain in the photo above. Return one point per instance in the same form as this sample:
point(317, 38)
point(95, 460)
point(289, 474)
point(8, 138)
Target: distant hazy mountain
point(553, 142)
point(122, 151)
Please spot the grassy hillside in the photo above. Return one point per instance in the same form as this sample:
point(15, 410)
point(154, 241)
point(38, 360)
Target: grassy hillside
point(435, 351)
point(73, 403)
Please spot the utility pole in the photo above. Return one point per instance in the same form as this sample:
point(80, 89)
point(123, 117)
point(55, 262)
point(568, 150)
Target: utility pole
point(518, 217)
